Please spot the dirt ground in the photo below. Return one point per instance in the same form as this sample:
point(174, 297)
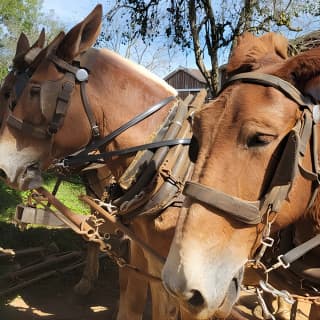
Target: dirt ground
point(53, 298)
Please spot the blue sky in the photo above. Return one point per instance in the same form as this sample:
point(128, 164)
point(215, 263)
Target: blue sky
point(70, 11)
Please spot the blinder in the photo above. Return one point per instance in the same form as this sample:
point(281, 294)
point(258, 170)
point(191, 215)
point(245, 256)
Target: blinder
point(48, 98)
point(22, 79)
point(54, 100)
point(296, 141)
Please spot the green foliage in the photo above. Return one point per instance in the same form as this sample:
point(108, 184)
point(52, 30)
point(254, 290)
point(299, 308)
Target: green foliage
point(9, 198)
point(68, 193)
point(18, 16)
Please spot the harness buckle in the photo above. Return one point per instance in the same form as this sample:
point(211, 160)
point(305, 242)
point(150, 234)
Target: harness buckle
point(280, 263)
point(95, 131)
point(61, 163)
point(267, 241)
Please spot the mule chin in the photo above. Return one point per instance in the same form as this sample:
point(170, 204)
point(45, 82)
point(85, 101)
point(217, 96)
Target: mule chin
point(204, 311)
point(31, 179)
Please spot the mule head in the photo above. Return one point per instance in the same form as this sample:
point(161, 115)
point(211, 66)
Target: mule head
point(27, 145)
point(247, 150)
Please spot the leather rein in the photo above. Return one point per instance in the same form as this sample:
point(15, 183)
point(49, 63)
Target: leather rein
point(304, 131)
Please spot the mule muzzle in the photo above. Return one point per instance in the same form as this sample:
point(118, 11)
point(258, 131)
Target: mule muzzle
point(200, 306)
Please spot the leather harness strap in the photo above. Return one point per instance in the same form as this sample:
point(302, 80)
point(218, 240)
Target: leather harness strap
point(242, 210)
point(27, 128)
point(80, 75)
point(269, 80)
point(101, 157)
point(140, 117)
point(62, 103)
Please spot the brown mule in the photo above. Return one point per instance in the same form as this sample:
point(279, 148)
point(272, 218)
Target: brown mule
point(96, 178)
point(257, 169)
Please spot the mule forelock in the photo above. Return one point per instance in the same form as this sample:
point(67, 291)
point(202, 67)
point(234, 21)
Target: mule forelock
point(252, 52)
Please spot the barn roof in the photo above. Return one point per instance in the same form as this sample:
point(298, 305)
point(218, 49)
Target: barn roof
point(195, 73)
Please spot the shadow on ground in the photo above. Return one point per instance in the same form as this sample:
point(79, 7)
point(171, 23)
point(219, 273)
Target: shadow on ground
point(53, 298)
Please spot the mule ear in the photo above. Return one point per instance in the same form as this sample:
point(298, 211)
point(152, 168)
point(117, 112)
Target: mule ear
point(40, 41)
point(82, 36)
point(252, 52)
point(36, 48)
point(303, 71)
point(22, 45)
point(52, 46)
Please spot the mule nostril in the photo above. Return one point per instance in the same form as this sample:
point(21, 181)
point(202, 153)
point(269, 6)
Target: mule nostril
point(196, 300)
point(3, 174)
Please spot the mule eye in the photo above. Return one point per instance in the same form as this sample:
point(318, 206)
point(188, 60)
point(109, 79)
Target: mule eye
point(260, 140)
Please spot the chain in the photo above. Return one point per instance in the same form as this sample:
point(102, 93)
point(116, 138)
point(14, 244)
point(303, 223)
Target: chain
point(102, 238)
point(264, 285)
point(265, 311)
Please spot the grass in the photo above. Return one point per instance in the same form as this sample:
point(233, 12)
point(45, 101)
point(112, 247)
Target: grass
point(68, 193)
point(12, 237)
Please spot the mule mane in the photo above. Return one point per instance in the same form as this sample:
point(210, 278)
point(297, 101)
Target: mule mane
point(133, 68)
point(252, 53)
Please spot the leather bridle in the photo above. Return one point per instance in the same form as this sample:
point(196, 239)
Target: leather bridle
point(54, 100)
point(304, 132)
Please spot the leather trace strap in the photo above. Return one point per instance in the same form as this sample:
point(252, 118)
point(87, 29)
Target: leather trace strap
point(101, 157)
point(294, 254)
point(302, 134)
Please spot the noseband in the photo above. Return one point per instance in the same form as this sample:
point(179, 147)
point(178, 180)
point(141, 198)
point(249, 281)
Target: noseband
point(304, 131)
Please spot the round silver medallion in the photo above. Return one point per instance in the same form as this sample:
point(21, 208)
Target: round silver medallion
point(82, 75)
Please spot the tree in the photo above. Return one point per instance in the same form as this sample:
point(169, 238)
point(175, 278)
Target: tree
point(17, 16)
point(156, 57)
point(209, 27)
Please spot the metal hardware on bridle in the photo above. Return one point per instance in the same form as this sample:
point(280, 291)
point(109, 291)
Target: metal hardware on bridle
point(266, 241)
point(316, 113)
point(268, 288)
point(253, 212)
point(82, 75)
